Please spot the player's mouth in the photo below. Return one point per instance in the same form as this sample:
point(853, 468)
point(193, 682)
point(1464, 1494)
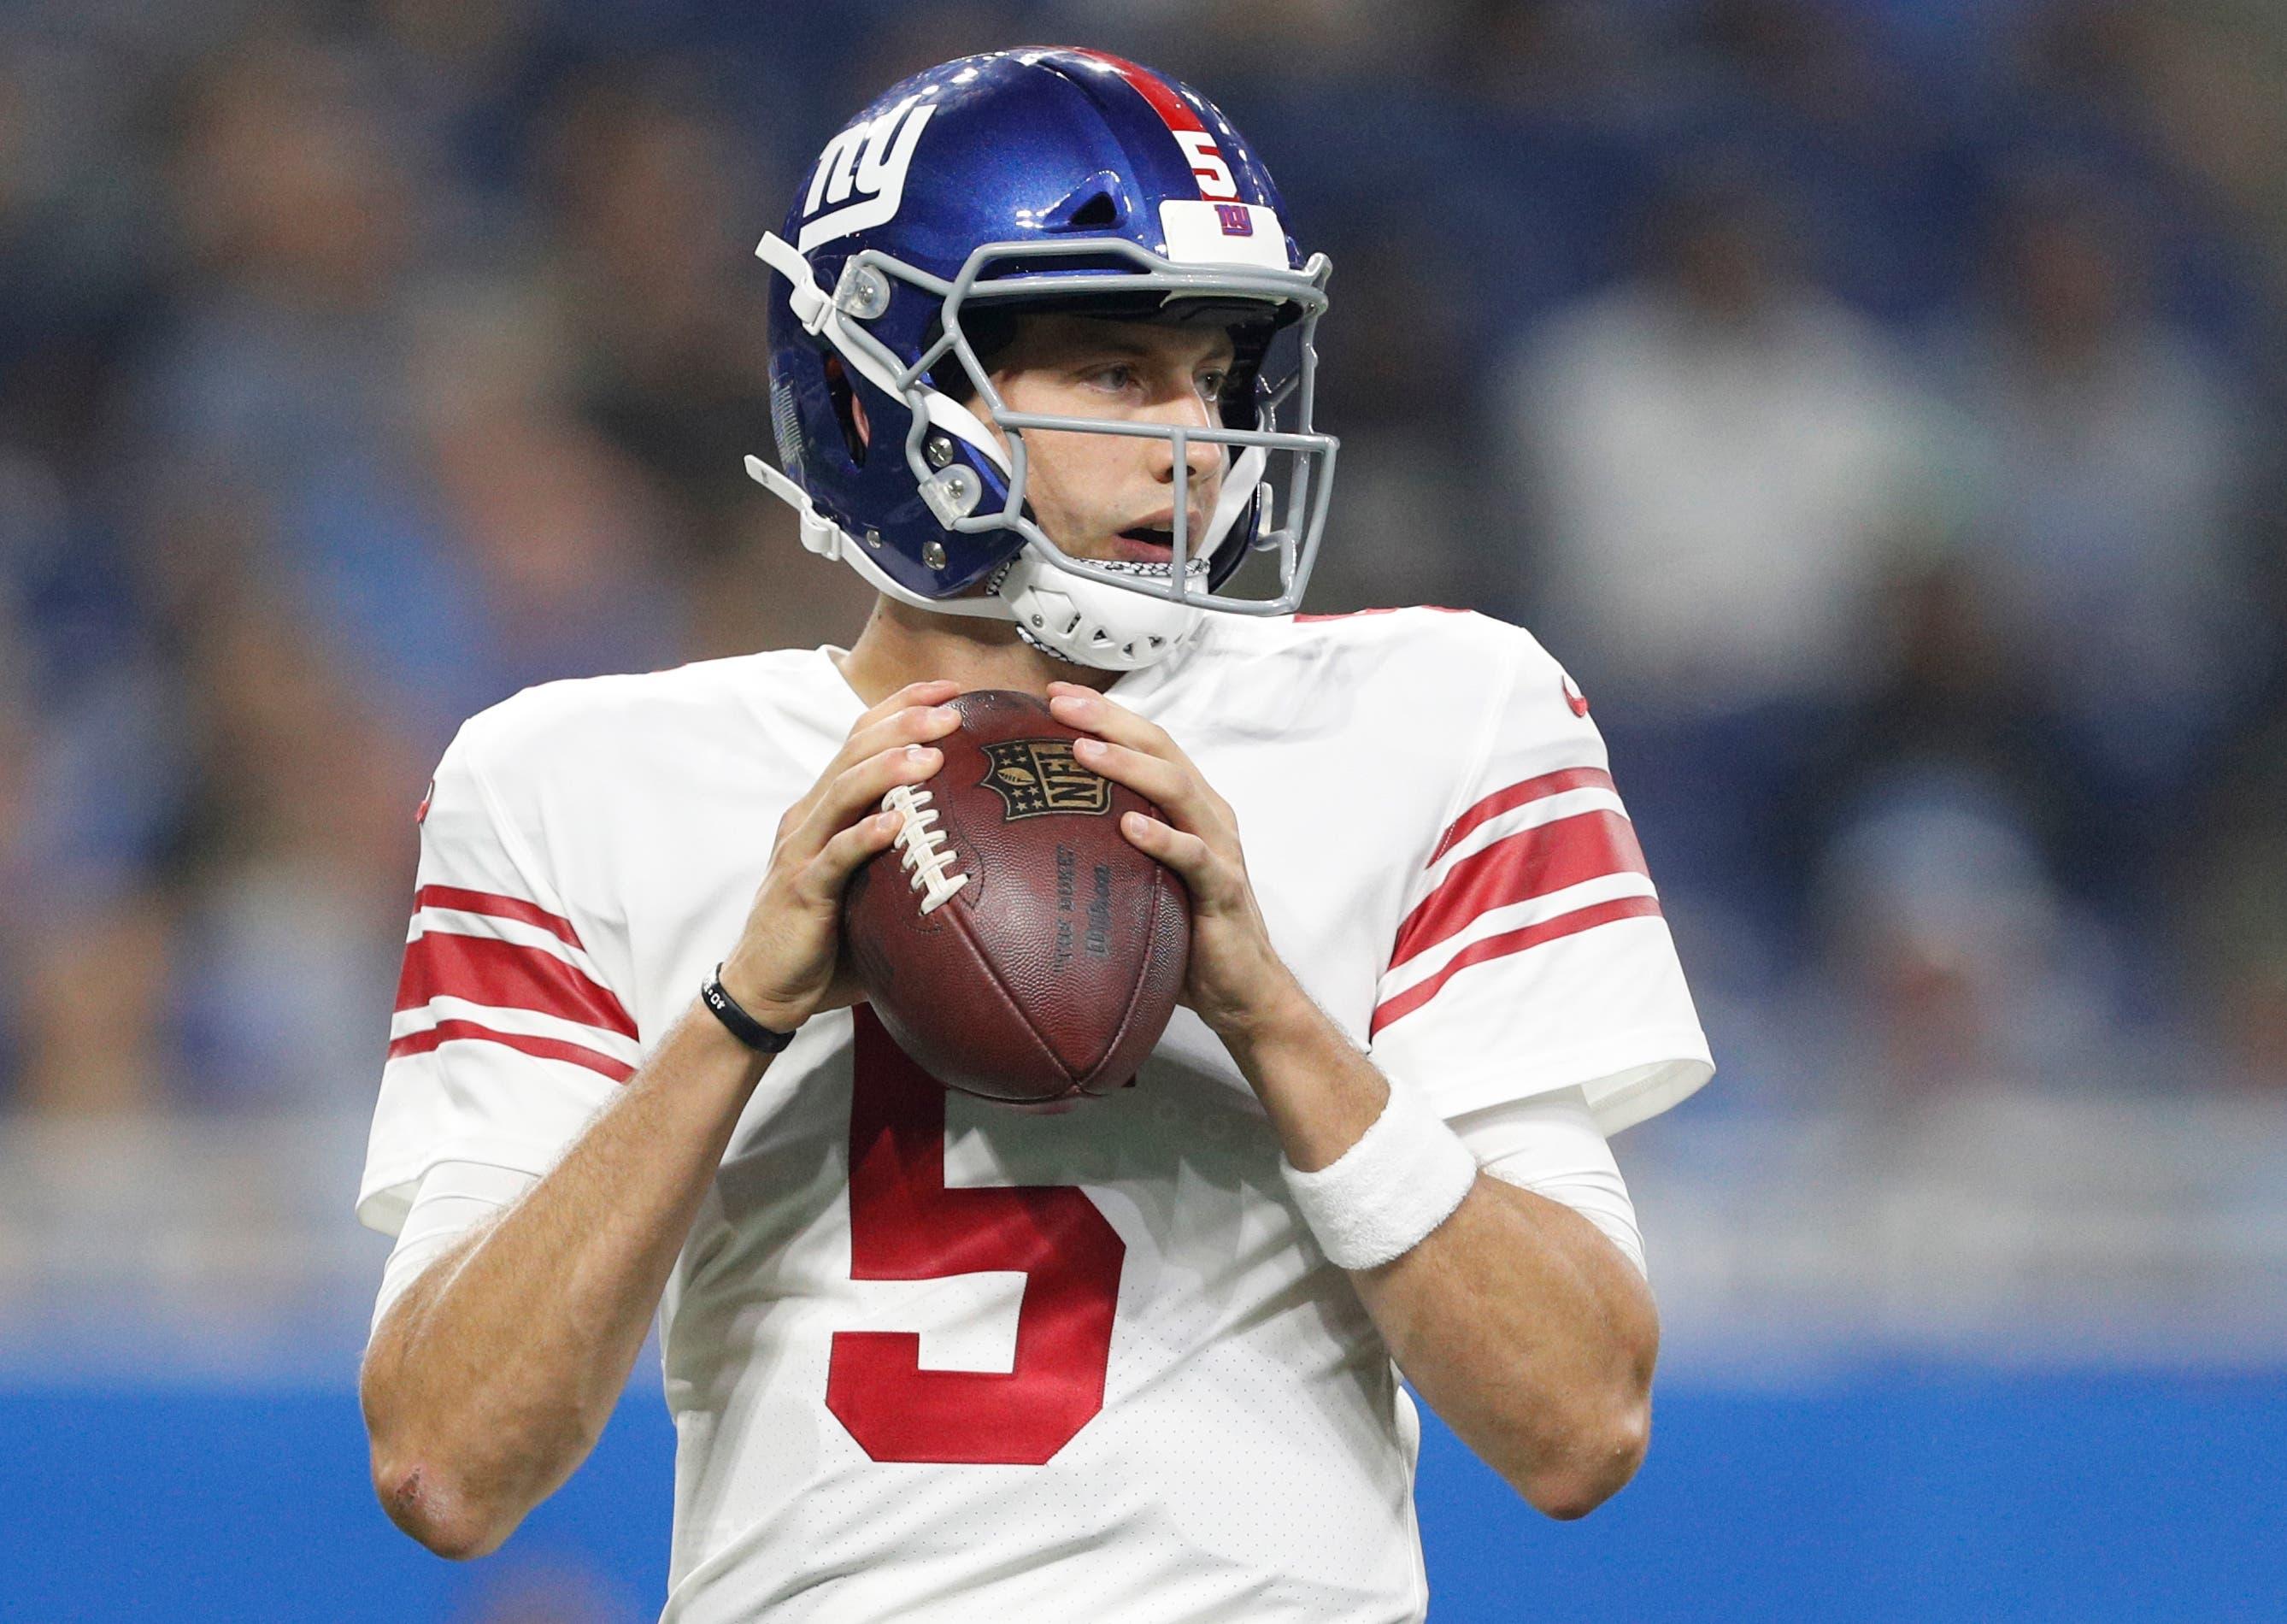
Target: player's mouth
point(1155, 544)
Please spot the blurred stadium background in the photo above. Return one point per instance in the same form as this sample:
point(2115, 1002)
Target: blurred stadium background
point(1876, 402)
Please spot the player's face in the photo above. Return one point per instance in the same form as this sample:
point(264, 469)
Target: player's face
point(1113, 495)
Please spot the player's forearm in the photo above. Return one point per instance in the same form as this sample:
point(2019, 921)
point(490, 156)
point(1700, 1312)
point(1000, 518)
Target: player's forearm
point(1516, 1319)
point(1533, 1336)
point(490, 1380)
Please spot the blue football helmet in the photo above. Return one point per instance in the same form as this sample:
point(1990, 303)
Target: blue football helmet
point(1025, 180)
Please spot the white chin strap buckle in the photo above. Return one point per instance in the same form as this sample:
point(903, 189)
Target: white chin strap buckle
point(808, 300)
point(819, 533)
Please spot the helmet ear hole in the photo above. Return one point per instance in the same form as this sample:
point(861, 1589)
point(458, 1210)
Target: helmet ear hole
point(1096, 204)
point(845, 413)
point(1099, 213)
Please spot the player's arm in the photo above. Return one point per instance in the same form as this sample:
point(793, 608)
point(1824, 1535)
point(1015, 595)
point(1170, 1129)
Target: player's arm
point(490, 1379)
point(1520, 1322)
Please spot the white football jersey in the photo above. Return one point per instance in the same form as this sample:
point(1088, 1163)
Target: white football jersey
point(930, 1358)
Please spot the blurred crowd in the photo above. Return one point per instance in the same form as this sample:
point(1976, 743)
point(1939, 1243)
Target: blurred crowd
point(1873, 404)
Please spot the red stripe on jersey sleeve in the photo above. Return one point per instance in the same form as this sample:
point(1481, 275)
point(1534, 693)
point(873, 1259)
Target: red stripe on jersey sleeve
point(1529, 863)
point(1514, 941)
point(546, 1048)
point(498, 908)
point(1519, 795)
point(505, 975)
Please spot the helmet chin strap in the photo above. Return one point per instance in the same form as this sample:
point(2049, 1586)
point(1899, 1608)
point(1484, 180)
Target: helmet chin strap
point(1110, 628)
point(1087, 622)
point(821, 535)
point(1092, 622)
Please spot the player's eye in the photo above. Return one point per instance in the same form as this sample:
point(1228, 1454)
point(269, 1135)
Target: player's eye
point(1212, 384)
point(1117, 376)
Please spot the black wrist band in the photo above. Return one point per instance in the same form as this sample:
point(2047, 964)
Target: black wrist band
point(740, 1024)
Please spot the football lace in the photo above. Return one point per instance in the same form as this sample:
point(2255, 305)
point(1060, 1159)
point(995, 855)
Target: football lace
point(924, 853)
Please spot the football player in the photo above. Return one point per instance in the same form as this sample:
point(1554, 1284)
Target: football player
point(1042, 374)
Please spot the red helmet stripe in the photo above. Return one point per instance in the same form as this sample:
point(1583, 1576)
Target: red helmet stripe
point(1173, 109)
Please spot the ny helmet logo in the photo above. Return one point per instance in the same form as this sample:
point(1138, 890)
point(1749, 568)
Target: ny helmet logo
point(870, 159)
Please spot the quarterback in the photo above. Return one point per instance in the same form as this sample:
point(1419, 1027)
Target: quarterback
point(1043, 369)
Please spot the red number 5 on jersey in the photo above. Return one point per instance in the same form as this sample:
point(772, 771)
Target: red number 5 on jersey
point(905, 1225)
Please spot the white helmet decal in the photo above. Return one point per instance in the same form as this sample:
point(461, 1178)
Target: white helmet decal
point(872, 158)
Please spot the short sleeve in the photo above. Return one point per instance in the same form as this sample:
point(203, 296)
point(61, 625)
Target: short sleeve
point(506, 1036)
point(1532, 954)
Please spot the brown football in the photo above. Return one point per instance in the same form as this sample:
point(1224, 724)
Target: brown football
point(1013, 942)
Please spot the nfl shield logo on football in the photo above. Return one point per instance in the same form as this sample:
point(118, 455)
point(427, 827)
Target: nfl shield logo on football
point(1034, 777)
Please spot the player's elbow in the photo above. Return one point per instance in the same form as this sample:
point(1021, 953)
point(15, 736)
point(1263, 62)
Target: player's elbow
point(441, 1518)
point(1596, 1465)
point(425, 1489)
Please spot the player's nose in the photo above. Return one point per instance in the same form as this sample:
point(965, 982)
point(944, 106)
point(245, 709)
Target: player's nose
point(1204, 456)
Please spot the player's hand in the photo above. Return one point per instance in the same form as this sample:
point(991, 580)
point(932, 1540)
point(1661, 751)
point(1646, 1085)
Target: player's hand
point(786, 965)
point(1235, 976)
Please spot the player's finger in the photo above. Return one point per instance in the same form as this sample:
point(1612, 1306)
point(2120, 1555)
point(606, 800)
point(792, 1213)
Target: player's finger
point(1084, 707)
point(1187, 855)
point(829, 871)
point(852, 792)
point(833, 801)
point(913, 724)
point(934, 692)
point(1172, 786)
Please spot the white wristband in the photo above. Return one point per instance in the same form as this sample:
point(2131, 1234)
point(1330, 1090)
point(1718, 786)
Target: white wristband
point(1378, 1198)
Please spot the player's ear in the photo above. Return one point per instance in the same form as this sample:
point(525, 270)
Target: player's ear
point(849, 410)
